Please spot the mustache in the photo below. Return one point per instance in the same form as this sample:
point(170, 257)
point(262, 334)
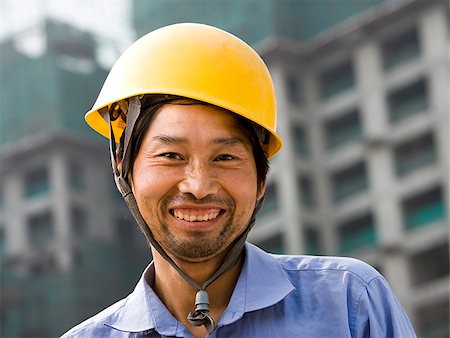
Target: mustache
point(190, 198)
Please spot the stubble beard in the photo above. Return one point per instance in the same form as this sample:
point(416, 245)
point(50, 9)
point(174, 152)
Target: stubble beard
point(200, 245)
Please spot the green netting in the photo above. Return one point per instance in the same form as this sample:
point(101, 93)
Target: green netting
point(252, 20)
point(49, 301)
point(43, 94)
point(80, 92)
point(27, 90)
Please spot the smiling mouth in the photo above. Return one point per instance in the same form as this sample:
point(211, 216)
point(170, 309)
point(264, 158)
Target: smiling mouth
point(202, 216)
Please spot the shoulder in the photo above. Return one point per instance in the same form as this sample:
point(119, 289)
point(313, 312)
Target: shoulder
point(95, 326)
point(351, 268)
point(344, 288)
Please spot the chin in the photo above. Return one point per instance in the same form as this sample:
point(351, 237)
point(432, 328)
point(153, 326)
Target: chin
point(194, 253)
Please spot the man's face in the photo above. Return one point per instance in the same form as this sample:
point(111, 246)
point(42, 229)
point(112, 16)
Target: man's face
point(194, 179)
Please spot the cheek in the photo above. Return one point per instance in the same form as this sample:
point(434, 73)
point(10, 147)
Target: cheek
point(242, 187)
point(151, 185)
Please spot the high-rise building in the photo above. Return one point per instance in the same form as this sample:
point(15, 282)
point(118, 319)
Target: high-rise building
point(94, 16)
point(68, 245)
point(364, 112)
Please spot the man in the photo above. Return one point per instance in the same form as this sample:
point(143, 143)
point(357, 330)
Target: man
point(190, 113)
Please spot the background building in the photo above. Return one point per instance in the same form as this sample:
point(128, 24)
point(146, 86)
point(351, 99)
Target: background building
point(364, 112)
point(251, 20)
point(362, 89)
point(93, 16)
point(68, 245)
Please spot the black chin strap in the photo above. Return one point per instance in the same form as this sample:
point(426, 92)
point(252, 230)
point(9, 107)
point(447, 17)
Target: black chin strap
point(200, 316)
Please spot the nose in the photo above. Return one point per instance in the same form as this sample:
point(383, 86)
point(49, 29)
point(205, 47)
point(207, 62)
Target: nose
point(199, 181)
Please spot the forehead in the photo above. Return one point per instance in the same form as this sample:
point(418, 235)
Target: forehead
point(196, 118)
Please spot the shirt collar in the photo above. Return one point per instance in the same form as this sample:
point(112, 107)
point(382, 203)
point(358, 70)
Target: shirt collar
point(143, 310)
point(261, 275)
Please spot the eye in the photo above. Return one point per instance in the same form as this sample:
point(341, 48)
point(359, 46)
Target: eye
point(225, 157)
point(172, 156)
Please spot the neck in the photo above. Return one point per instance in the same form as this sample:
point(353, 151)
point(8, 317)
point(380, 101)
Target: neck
point(179, 297)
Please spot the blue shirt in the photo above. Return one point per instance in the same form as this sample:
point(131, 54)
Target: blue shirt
point(275, 296)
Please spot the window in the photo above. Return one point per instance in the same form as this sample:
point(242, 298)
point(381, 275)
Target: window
point(343, 129)
point(357, 233)
point(274, 244)
point(349, 182)
point(79, 222)
point(271, 200)
point(313, 244)
point(125, 229)
point(400, 49)
point(2, 241)
point(300, 141)
point(433, 319)
point(424, 209)
point(430, 265)
point(408, 101)
point(337, 80)
point(76, 176)
point(37, 182)
point(293, 89)
point(115, 193)
point(307, 191)
point(40, 229)
point(415, 154)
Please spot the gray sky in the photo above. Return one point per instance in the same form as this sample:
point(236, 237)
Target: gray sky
point(109, 19)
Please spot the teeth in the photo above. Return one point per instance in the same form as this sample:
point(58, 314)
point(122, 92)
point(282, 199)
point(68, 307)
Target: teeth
point(193, 218)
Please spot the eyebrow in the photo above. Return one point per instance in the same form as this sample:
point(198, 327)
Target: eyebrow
point(167, 139)
point(230, 141)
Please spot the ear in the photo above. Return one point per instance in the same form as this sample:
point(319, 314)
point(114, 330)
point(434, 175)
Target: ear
point(261, 190)
point(130, 181)
point(118, 163)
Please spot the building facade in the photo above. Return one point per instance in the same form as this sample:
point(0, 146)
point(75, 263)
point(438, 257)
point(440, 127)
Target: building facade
point(68, 244)
point(364, 112)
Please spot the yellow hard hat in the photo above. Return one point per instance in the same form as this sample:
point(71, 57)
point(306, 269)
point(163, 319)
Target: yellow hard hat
point(196, 61)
